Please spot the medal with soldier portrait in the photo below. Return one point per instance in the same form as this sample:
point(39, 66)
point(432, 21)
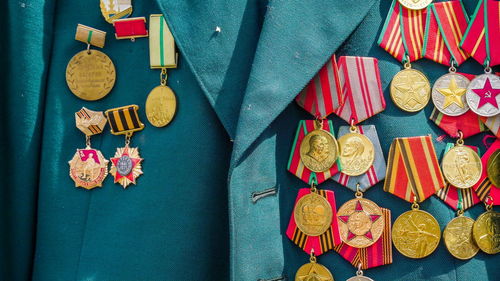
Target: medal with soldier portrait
point(486, 231)
point(462, 166)
point(458, 238)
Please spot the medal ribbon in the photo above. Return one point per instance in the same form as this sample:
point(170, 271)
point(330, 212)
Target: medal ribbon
point(403, 33)
point(493, 31)
point(484, 188)
point(295, 165)
point(320, 244)
point(458, 198)
point(493, 123)
point(445, 26)
point(161, 44)
point(413, 169)
point(89, 35)
point(380, 253)
point(90, 125)
point(130, 28)
point(468, 123)
point(375, 174)
point(124, 120)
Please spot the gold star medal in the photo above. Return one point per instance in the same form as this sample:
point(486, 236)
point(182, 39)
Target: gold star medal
point(90, 74)
point(313, 271)
point(410, 89)
point(88, 168)
point(161, 103)
point(126, 165)
point(448, 94)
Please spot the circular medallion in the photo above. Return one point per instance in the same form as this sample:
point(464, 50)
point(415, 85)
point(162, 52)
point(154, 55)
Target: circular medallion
point(410, 90)
point(359, 278)
point(448, 94)
point(319, 151)
point(483, 95)
point(357, 154)
point(486, 231)
point(161, 106)
point(415, 4)
point(462, 166)
point(313, 272)
point(361, 222)
point(313, 214)
point(90, 75)
point(88, 168)
point(458, 238)
point(493, 168)
point(124, 165)
point(416, 234)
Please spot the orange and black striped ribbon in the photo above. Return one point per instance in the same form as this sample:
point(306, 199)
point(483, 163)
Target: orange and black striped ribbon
point(124, 120)
point(84, 114)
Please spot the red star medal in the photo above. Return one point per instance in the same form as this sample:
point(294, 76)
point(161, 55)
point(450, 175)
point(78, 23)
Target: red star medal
point(126, 165)
point(487, 94)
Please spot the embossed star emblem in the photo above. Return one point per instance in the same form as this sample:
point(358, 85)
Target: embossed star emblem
point(452, 94)
point(411, 89)
point(313, 275)
point(359, 222)
point(487, 94)
point(126, 166)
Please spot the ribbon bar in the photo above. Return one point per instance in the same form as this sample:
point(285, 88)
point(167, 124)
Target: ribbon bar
point(124, 120)
point(89, 35)
point(130, 28)
point(90, 122)
point(162, 52)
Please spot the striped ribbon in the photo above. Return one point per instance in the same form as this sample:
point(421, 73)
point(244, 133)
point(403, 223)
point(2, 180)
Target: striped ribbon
point(403, 32)
point(468, 123)
point(89, 35)
point(445, 25)
point(124, 120)
point(320, 244)
point(375, 174)
point(458, 198)
point(162, 52)
point(380, 253)
point(484, 187)
point(90, 122)
point(295, 165)
point(413, 169)
point(482, 38)
point(493, 123)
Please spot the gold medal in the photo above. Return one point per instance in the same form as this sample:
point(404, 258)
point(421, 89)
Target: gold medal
point(416, 233)
point(415, 4)
point(462, 166)
point(486, 231)
point(410, 89)
point(313, 271)
point(458, 238)
point(161, 106)
point(357, 153)
point(359, 276)
point(361, 222)
point(319, 149)
point(494, 168)
point(88, 167)
point(313, 214)
point(90, 74)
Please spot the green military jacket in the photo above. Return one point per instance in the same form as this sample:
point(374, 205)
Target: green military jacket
point(198, 212)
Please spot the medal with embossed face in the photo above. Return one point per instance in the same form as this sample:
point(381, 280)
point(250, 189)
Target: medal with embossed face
point(88, 168)
point(313, 214)
point(462, 166)
point(458, 237)
point(126, 165)
point(90, 74)
point(161, 103)
point(313, 271)
point(319, 149)
point(493, 168)
point(357, 153)
point(486, 230)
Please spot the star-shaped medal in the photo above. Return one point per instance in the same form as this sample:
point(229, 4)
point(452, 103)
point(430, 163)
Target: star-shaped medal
point(126, 166)
point(487, 94)
point(359, 222)
point(452, 94)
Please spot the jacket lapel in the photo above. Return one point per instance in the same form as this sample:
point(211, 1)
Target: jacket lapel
point(296, 40)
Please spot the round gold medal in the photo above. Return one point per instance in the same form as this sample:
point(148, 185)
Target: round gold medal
point(90, 75)
point(486, 231)
point(458, 238)
point(415, 4)
point(494, 168)
point(357, 154)
point(462, 166)
point(313, 272)
point(161, 106)
point(313, 214)
point(319, 151)
point(361, 222)
point(410, 90)
point(416, 234)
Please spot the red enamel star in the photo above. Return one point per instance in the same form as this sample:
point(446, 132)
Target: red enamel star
point(135, 162)
point(487, 94)
point(359, 222)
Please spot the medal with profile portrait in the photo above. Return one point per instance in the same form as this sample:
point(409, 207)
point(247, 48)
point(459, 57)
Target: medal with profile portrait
point(319, 149)
point(357, 153)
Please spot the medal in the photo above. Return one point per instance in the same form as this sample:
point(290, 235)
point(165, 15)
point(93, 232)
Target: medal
point(416, 233)
point(115, 9)
point(484, 188)
point(486, 231)
point(458, 238)
point(88, 168)
point(493, 169)
point(461, 166)
point(357, 153)
point(161, 103)
point(410, 89)
point(415, 4)
point(319, 149)
point(313, 214)
point(90, 74)
point(126, 164)
point(448, 94)
point(483, 95)
point(359, 276)
point(313, 271)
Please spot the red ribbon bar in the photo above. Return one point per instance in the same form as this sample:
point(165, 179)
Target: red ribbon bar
point(474, 41)
point(413, 29)
point(130, 28)
point(390, 38)
point(493, 29)
point(434, 45)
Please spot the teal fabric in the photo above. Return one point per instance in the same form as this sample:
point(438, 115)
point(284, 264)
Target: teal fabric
point(196, 213)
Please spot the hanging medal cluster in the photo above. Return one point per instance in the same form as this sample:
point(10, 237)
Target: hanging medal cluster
point(360, 230)
point(91, 75)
